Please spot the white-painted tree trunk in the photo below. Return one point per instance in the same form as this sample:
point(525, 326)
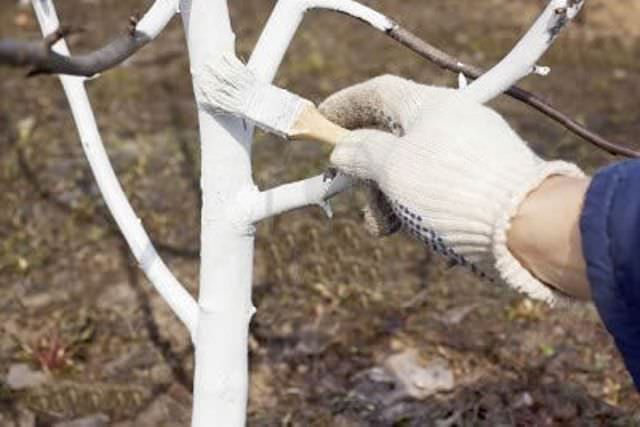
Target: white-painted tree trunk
point(227, 242)
point(219, 321)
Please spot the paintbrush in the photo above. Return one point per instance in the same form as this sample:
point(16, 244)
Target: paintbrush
point(227, 86)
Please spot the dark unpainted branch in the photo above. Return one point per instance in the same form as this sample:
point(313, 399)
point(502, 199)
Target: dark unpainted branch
point(448, 62)
point(41, 59)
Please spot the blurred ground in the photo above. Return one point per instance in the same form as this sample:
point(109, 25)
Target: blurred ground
point(83, 335)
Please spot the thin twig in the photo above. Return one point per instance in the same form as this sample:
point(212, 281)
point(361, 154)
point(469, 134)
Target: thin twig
point(448, 62)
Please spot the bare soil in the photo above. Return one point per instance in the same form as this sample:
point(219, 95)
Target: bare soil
point(333, 303)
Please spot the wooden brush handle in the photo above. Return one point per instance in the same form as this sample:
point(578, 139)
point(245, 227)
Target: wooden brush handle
point(311, 125)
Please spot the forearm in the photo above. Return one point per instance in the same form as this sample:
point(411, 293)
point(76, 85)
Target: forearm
point(545, 235)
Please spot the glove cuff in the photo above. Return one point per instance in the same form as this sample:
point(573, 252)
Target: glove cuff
point(509, 268)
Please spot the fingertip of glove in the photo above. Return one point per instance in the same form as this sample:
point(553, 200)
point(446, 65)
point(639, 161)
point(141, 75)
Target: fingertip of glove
point(344, 154)
point(350, 158)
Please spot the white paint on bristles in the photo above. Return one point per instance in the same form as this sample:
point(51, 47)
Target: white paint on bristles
point(226, 85)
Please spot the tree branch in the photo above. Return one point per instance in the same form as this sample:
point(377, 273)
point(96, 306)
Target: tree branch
point(165, 282)
point(451, 63)
point(522, 59)
point(312, 191)
point(41, 58)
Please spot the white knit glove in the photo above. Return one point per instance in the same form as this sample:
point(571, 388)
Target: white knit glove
point(454, 179)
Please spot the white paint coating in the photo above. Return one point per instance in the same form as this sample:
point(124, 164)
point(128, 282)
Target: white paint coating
point(521, 61)
point(312, 191)
point(355, 9)
point(227, 241)
point(285, 20)
point(462, 81)
point(541, 70)
point(182, 304)
point(157, 17)
point(275, 38)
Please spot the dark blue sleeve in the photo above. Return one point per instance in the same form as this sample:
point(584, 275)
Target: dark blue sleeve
point(610, 228)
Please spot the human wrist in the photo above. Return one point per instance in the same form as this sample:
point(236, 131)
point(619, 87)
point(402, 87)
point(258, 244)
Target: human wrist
point(544, 235)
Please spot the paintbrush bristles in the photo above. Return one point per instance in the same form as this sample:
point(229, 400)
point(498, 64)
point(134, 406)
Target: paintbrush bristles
point(222, 86)
point(227, 86)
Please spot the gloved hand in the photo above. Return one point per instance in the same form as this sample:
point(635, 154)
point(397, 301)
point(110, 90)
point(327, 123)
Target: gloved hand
point(454, 178)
